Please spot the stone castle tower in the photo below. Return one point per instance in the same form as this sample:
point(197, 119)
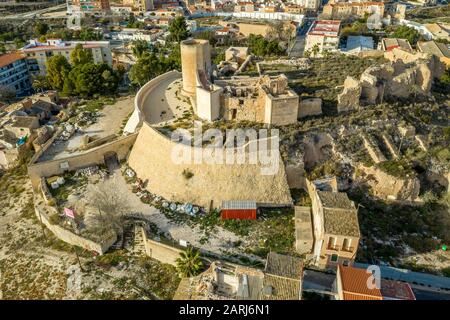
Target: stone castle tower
point(195, 59)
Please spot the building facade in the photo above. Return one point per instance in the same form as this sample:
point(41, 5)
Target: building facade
point(323, 35)
point(359, 9)
point(38, 53)
point(88, 6)
point(335, 225)
point(14, 73)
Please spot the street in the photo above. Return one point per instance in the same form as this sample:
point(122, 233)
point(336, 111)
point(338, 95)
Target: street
point(299, 45)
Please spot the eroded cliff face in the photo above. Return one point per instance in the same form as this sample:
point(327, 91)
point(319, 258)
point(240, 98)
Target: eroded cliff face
point(405, 75)
point(389, 187)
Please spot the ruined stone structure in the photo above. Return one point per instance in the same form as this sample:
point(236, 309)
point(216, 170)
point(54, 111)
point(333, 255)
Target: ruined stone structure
point(310, 107)
point(389, 187)
point(261, 99)
point(195, 56)
point(405, 75)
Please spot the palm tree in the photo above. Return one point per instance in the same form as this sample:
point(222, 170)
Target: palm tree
point(189, 263)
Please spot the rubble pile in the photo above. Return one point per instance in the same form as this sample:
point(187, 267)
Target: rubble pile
point(67, 133)
point(399, 78)
point(86, 172)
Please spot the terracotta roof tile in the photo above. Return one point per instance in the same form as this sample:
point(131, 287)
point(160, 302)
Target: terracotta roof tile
point(354, 284)
point(9, 58)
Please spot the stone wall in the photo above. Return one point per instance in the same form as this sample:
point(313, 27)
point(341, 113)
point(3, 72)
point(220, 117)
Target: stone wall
point(137, 117)
point(151, 159)
point(91, 157)
point(373, 150)
point(388, 187)
point(310, 107)
point(68, 236)
point(406, 75)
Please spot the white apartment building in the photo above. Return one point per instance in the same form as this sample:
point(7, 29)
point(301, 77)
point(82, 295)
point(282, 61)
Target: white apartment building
point(38, 53)
point(323, 35)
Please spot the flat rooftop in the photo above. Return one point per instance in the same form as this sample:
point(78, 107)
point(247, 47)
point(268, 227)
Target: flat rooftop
point(328, 28)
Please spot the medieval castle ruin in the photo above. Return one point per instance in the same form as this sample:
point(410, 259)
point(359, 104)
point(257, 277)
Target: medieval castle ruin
point(260, 99)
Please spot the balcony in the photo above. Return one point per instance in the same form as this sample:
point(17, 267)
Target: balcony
point(348, 249)
point(333, 248)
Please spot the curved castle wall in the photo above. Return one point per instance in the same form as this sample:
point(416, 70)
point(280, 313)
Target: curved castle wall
point(151, 158)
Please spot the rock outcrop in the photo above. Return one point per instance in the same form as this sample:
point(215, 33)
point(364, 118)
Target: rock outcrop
point(389, 187)
point(349, 98)
point(403, 76)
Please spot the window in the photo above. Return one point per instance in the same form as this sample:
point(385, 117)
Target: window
point(334, 258)
point(331, 242)
point(346, 244)
point(345, 263)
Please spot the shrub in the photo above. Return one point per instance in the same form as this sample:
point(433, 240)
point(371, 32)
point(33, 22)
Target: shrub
point(187, 174)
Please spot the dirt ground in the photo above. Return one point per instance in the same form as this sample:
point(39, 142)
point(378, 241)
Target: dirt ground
point(109, 122)
point(36, 265)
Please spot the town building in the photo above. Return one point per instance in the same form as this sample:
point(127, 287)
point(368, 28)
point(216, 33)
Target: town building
point(360, 284)
point(359, 9)
point(335, 225)
point(22, 125)
point(312, 5)
point(388, 44)
point(14, 73)
point(357, 44)
point(88, 6)
point(356, 284)
point(323, 35)
point(438, 49)
point(439, 31)
point(281, 279)
point(261, 99)
point(38, 53)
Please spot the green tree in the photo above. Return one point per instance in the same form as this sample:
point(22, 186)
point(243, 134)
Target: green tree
point(315, 50)
point(189, 263)
point(139, 48)
point(57, 70)
point(405, 32)
point(178, 29)
point(40, 83)
point(41, 29)
point(80, 56)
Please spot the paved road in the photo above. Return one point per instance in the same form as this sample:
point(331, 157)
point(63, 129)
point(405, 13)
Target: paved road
point(412, 277)
point(299, 44)
point(32, 14)
point(430, 295)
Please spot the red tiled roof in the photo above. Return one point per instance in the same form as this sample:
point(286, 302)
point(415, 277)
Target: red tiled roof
point(396, 290)
point(10, 58)
point(354, 284)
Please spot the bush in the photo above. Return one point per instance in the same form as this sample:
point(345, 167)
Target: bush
point(187, 174)
point(54, 219)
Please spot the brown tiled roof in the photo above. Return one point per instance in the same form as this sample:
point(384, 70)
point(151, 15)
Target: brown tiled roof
point(335, 200)
point(438, 49)
point(284, 266)
point(354, 284)
point(9, 58)
point(280, 288)
point(341, 222)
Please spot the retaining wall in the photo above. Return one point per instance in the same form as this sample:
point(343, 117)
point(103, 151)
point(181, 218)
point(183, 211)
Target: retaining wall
point(160, 251)
point(67, 235)
point(91, 157)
